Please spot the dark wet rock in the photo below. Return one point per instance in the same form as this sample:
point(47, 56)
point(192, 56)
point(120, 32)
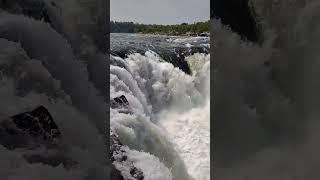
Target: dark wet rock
point(36, 132)
point(119, 158)
point(121, 104)
point(124, 52)
point(204, 35)
point(173, 50)
point(136, 173)
point(115, 145)
point(177, 56)
point(239, 15)
point(38, 123)
point(121, 100)
point(174, 55)
point(29, 129)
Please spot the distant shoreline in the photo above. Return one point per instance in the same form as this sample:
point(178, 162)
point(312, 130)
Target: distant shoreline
point(184, 29)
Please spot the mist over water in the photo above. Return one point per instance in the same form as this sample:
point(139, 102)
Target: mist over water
point(267, 97)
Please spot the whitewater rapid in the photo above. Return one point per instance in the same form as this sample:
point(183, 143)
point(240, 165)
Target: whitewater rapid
point(170, 119)
point(189, 129)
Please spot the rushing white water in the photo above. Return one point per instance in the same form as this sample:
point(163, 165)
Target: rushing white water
point(190, 129)
point(270, 125)
point(38, 66)
point(170, 117)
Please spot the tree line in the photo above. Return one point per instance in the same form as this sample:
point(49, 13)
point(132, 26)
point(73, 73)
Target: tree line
point(179, 29)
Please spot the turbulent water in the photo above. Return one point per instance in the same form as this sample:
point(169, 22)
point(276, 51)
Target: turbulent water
point(266, 98)
point(168, 129)
point(44, 64)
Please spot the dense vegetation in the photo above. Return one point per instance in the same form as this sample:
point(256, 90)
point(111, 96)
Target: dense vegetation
point(180, 29)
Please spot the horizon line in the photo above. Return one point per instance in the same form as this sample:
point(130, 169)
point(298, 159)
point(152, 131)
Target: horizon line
point(158, 23)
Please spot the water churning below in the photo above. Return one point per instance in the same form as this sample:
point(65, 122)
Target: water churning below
point(168, 117)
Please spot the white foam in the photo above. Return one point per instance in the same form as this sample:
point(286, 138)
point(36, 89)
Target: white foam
point(175, 100)
point(190, 129)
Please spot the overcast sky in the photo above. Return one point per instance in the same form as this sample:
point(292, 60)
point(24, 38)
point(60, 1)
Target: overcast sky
point(160, 11)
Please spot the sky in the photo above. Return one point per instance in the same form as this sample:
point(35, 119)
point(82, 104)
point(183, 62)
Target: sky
point(160, 11)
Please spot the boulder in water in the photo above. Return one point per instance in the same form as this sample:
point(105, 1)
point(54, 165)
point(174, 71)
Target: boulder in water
point(121, 104)
point(29, 128)
point(38, 123)
point(119, 101)
point(36, 132)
